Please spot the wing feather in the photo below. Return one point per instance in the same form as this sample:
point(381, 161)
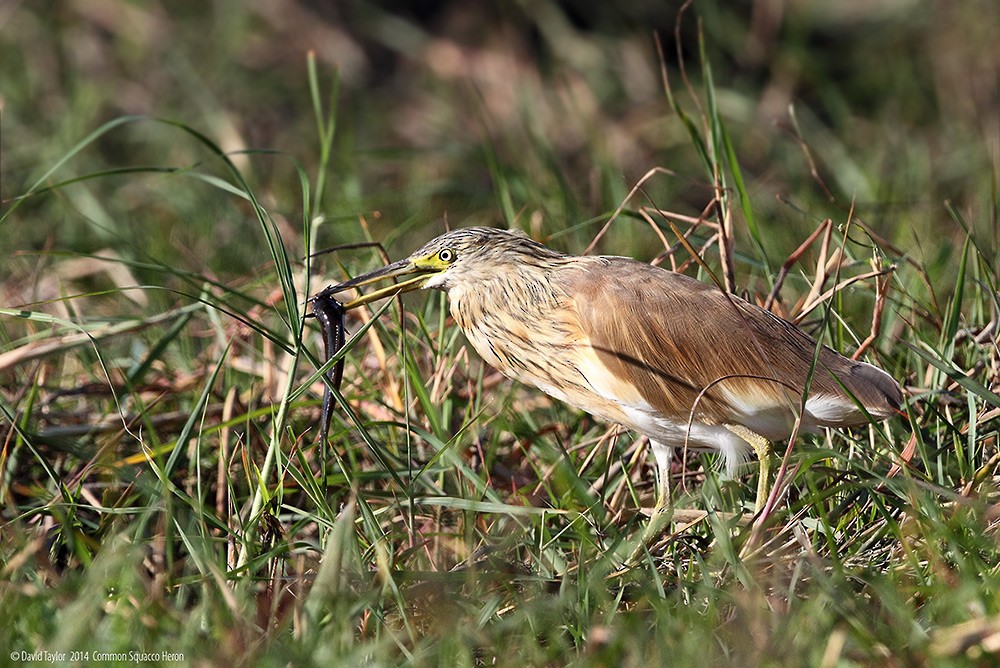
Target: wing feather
point(681, 342)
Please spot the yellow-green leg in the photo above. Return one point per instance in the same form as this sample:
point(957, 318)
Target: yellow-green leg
point(663, 455)
point(663, 510)
point(663, 513)
point(762, 447)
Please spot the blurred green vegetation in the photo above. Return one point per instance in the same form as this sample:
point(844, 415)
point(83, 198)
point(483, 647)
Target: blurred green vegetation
point(895, 101)
point(464, 522)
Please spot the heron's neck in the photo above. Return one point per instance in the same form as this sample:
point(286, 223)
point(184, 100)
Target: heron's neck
point(508, 316)
point(517, 293)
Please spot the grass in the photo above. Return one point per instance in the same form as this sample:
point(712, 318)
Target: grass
point(162, 489)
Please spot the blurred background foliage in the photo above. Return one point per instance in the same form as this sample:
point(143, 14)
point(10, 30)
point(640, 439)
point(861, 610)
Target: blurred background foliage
point(543, 112)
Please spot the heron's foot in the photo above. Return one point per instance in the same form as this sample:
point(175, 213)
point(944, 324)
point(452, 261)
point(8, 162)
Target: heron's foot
point(658, 524)
point(660, 517)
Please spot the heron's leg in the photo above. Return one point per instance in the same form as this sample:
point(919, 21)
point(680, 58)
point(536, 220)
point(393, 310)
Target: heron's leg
point(664, 455)
point(663, 511)
point(762, 447)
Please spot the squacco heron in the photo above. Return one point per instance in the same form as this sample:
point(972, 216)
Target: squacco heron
point(653, 350)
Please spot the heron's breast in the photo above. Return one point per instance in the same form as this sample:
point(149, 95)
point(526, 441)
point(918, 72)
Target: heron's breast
point(544, 347)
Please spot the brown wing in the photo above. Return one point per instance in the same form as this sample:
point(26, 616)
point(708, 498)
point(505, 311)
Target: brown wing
point(680, 341)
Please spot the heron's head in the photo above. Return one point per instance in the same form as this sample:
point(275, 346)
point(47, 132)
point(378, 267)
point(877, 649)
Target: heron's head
point(454, 258)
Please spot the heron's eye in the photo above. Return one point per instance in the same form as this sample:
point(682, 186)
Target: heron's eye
point(447, 255)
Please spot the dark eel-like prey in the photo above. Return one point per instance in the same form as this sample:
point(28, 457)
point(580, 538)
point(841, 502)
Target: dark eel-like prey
point(330, 314)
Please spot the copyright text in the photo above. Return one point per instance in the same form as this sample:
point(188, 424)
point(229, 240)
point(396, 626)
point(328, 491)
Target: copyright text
point(43, 656)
